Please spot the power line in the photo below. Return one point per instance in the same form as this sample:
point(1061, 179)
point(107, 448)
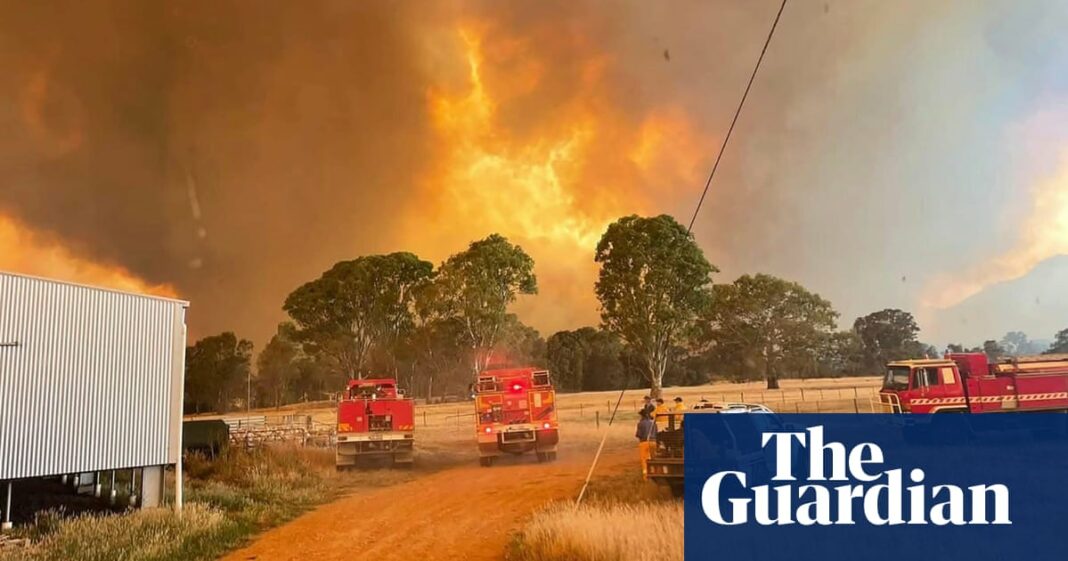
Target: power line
point(774, 24)
point(737, 112)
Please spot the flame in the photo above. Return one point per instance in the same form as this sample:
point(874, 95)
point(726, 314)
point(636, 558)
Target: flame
point(554, 182)
point(27, 252)
point(1044, 235)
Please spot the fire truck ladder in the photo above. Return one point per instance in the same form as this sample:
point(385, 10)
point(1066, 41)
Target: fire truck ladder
point(885, 403)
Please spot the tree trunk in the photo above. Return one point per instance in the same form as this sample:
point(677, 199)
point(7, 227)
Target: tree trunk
point(656, 387)
point(771, 376)
point(656, 381)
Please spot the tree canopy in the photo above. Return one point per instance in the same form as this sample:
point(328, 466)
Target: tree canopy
point(475, 288)
point(770, 324)
point(1060, 343)
point(653, 284)
point(216, 371)
point(887, 335)
point(357, 305)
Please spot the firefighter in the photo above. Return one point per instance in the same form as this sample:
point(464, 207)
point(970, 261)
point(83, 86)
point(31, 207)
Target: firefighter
point(660, 414)
point(676, 419)
point(646, 435)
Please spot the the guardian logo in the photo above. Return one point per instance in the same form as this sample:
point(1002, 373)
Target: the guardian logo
point(854, 487)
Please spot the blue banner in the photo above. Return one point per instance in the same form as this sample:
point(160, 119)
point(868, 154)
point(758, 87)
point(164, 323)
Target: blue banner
point(876, 487)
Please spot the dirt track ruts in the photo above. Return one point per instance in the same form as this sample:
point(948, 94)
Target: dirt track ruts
point(465, 512)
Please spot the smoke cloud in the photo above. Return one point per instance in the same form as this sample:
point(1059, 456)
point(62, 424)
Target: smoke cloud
point(233, 151)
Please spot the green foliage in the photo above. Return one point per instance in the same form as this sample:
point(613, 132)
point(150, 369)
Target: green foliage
point(1060, 343)
point(475, 287)
point(586, 359)
point(993, 349)
point(770, 325)
point(843, 355)
point(567, 352)
point(216, 370)
point(653, 284)
point(888, 335)
point(356, 306)
point(287, 374)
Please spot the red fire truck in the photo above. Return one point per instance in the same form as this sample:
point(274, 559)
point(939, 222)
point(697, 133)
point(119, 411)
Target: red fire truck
point(374, 419)
point(515, 413)
point(969, 382)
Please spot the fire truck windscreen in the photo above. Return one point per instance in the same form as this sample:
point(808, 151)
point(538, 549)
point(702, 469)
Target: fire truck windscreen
point(897, 378)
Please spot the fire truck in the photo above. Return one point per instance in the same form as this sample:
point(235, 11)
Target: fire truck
point(374, 420)
point(515, 413)
point(971, 383)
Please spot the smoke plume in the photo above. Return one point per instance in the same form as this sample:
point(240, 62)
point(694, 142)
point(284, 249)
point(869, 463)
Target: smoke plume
point(234, 150)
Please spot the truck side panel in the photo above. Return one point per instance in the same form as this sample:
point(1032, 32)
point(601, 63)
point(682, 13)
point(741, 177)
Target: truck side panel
point(1041, 391)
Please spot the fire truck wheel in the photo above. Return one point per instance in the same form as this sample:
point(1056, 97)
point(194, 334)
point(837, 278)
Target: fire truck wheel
point(677, 489)
point(486, 461)
point(543, 457)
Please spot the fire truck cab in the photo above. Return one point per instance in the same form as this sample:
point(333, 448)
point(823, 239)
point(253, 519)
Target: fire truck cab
point(374, 419)
point(970, 383)
point(515, 413)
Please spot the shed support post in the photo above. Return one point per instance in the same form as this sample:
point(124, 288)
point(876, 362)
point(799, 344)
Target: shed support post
point(178, 486)
point(133, 488)
point(112, 494)
point(6, 524)
point(151, 486)
point(96, 484)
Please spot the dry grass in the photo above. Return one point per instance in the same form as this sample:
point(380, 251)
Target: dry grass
point(149, 535)
point(633, 532)
point(228, 500)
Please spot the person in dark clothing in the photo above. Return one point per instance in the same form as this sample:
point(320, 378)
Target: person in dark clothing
point(648, 406)
point(646, 435)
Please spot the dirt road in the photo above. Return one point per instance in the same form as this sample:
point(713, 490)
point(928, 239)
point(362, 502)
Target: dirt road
point(460, 513)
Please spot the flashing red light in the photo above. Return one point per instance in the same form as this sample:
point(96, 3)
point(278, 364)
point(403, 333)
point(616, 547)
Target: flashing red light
point(516, 387)
point(547, 425)
point(489, 430)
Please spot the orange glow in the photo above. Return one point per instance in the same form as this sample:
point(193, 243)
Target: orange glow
point(1044, 234)
point(29, 253)
point(548, 174)
point(51, 115)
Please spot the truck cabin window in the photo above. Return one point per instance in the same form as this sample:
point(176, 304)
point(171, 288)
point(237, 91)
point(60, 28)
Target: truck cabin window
point(926, 377)
point(897, 378)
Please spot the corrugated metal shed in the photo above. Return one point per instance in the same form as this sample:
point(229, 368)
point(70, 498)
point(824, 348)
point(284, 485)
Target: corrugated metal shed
point(90, 379)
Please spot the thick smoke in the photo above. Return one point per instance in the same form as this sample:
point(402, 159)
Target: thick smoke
point(234, 150)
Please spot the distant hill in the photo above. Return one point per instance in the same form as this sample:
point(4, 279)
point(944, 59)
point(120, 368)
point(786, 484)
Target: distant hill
point(1036, 304)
